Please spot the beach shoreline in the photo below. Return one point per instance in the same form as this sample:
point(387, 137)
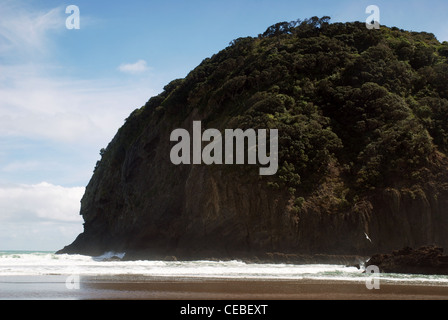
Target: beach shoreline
point(57, 287)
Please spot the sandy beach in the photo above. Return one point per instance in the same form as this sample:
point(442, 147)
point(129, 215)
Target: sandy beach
point(144, 288)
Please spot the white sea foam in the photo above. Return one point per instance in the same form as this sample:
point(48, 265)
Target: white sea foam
point(108, 255)
point(44, 263)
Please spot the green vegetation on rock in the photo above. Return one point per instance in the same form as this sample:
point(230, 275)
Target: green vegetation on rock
point(372, 102)
point(361, 114)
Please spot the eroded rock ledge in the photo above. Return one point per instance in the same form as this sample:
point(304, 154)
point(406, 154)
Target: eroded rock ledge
point(363, 153)
point(424, 260)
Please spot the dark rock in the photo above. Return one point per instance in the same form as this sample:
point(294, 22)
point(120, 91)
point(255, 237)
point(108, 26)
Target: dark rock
point(139, 202)
point(112, 259)
point(170, 258)
point(348, 260)
point(425, 260)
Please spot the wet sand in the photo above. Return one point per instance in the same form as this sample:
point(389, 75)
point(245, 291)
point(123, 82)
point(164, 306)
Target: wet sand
point(272, 290)
point(144, 288)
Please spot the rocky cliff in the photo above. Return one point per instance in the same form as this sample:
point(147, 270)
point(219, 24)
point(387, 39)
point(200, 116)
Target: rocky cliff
point(363, 136)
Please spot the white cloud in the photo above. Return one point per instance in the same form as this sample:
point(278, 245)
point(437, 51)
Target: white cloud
point(65, 110)
point(17, 166)
point(23, 31)
point(39, 217)
point(32, 235)
point(73, 118)
point(134, 68)
point(36, 104)
point(49, 125)
point(41, 202)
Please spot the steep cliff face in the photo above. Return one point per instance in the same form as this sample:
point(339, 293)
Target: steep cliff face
point(343, 173)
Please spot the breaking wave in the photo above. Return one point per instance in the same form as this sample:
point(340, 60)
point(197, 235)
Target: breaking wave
point(48, 263)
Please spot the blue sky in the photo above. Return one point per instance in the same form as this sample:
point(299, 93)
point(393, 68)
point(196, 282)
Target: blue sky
point(64, 93)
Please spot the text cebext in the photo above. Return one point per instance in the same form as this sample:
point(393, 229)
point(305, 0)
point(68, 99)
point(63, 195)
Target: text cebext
point(237, 309)
point(234, 143)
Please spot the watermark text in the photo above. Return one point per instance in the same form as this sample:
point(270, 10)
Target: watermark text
point(230, 150)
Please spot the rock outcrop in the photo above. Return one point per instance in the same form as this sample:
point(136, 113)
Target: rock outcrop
point(424, 260)
point(360, 153)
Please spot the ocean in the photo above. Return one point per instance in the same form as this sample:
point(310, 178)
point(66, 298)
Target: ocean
point(28, 263)
point(23, 274)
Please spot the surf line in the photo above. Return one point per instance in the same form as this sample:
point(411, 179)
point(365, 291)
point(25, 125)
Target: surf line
point(234, 144)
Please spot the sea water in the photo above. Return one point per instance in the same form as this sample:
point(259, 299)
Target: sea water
point(34, 263)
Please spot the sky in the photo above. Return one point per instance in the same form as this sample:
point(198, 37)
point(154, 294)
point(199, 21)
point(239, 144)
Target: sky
point(64, 92)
